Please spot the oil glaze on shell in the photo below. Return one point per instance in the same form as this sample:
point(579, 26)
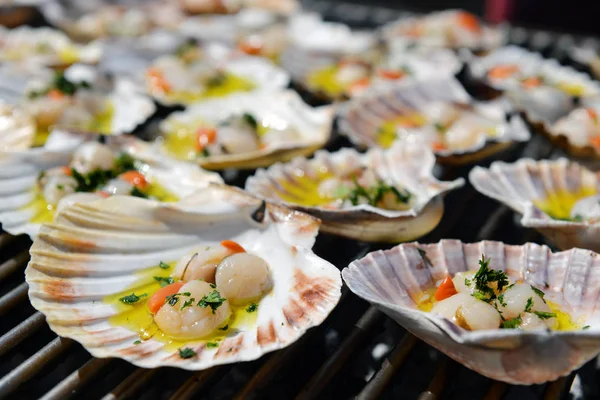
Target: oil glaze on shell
point(361, 118)
point(79, 259)
point(393, 280)
point(312, 124)
point(523, 184)
point(405, 165)
point(19, 172)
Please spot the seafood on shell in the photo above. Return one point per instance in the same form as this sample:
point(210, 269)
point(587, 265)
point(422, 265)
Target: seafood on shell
point(455, 29)
point(542, 88)
point(245, 131)
point(281, 7)
point(380, 196)
point(17, 129)
point(93, 274)
point(74, 167)
point(559, 198)
point(396, 281)
point(45, 47)
point(439, 112)
point(196, 73)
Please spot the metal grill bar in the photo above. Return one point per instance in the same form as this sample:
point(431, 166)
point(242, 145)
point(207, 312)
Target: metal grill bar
point(131, 385)
point(12, 298)
point(77, 379)
point(434, 391)
point(21, 332)
point(33, 365)
point(497, 391)
point(11, 266)
point(196, 383)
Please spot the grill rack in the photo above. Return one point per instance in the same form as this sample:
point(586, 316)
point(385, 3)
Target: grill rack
point(357, 352)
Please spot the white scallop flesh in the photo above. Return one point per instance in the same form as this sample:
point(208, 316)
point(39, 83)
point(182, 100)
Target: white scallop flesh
point(477, 315)
point(389, 201)
point(192, 322)
point(201, 263)
point(177, 74)
point(58, 186)
point(330, 188)
point(531, 321)
point(76, 117)
point(47, 111)
point(92, 102)
point(578, 126)
point(461, 279)
point(243, 277)
point(237, 140)
point(93, 156)
point(447, 307)
point(368, 178)
point(587, 208)
point(348, 73)
point(118, 187)
point(464, 135)
point(516, 298)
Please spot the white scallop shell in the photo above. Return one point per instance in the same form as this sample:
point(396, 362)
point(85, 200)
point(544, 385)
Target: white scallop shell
point(79, 259)
point(265, 75)
point(19, 172)
point(544, 104)
point(24, 40)
point(440, 23)
point(405, 165)
point(286, 108)
point(361, 117)
point(520, 184)
point(393, 280)
point(17, 129)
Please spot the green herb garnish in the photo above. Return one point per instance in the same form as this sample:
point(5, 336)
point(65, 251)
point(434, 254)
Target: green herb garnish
point(529, 304)
point(467, 282)
point(439, 127)
point(132, 298)
point(250, 120)
point(224, 328)
point(174, 298)
point(211, 345)
point(252, 307)
point(164, 280)
point(188, 303)
point(216, 80)
point(138, 193)
point(585, 327)
point(137, 342)
point(538, 292)
point(163, 265)
point(481, 296)
point(212, 300)
point(545, 315)
point(512, 323)
point(186, 353)
point(501, 300)
point(485, 277)
point(205, 152)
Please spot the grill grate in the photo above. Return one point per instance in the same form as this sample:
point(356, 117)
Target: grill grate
point(357, 352)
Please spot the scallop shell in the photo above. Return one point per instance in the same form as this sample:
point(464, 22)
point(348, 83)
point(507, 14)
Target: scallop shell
point(313, 125)
point(265, 75)
point(24, 38)
point(541, 105)
point(17, 129)
point(79, 259)
point(361, 117)
point(488, 39)
point(393, 280)
point(19, 172)
point(520, 184)
point(405, 165)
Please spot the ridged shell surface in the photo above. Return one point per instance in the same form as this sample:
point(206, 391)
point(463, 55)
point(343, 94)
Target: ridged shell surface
point(405, 165)
point(523, 184)
point(393, 280)
point(94, 250)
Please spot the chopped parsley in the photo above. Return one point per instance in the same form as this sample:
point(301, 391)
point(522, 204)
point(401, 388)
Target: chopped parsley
point(205, 152)
point(529, 304)
point(188, 303)
point(439, 127)
point(250, 120)
point(545, 315)
point(62, 84)
point(164, 280)
point(174, 298)
point(224, 328)
point(132, 298)
point(212, 300)
point(137, 342)
point(252, 307)
point(124, 162)
point(467, 282)
point(186, 352)
point(424, 257)
point(216, 80)
point(138, 193)
point(538, 292)
point(60, 187)
point(585, 327)
point(501, 300)
point(374, 195)
point(184, 47)
point(481, 296)
point(163, 265)
point(93, 180)
point(486, 278)
point(512, 323)
point(211, 345)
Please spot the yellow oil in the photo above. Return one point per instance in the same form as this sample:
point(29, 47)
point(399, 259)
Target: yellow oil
point(426, 300)
point(572, 89)
point(181, 141)
point(42, 211)
point(137, 318)
point(231, 84)
point(559, 204)
point(386, 135)
point(325, 79)
point(102, 122)
point(160, 193)
point(565, 322)
point(303, 190)
point(68, 55)
point(41, 136)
